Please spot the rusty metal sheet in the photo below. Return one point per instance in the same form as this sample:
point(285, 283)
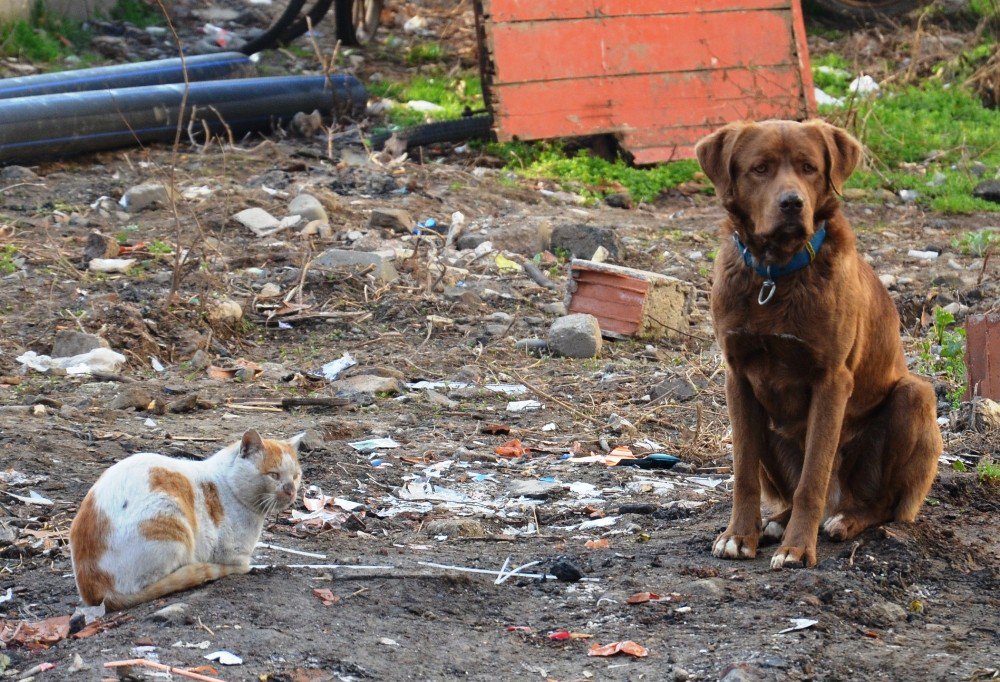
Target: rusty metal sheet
point(616, 301)
point(982, 356)
point(659, 74)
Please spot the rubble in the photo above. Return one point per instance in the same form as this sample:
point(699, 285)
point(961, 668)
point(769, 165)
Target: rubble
point(575, 336)
point(141, 197)
point(309, 207)
point(333, 259)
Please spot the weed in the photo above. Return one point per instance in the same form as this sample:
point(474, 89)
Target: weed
point(42, 37)
point(988, 470)
point(831, 74)
point(135, 12)
point(156, 247)
point(925, 140)
point(977, 243)
point(944, 353)
point(7, 264)
point(424, 53)
point(453, 95)
point(959, 466)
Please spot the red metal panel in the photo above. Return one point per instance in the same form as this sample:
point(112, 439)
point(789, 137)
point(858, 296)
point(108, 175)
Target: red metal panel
point(616, 301)
point(982, 356)
point(535, 10)
point(538, 50)
point(627, 103)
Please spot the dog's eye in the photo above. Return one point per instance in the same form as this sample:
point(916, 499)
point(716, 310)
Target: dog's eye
point(759, 169)
point(808, 168)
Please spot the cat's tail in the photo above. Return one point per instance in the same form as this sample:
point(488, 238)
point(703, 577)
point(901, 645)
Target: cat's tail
point(184, 578)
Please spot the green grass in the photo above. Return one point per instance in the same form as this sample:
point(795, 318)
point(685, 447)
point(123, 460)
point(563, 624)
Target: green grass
point(43, 36)
point(943, 354)
point(988, 470)
point(136, 12)
point(591, 176)
point(424, 53)
point(832, 74)
point(7, 264)
point(452, 94)
point(904, 128)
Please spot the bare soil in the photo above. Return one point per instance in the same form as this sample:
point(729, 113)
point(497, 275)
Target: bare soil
point(904, 602)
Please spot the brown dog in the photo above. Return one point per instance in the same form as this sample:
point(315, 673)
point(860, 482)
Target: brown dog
point(827, 420)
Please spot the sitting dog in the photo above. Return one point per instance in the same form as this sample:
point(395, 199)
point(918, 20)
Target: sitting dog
point(827, 421)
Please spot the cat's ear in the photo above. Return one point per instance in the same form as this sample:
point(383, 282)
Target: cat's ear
point(251, 445)
point(296, 441)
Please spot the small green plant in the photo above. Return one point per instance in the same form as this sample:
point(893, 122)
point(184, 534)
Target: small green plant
point(944, 353)
point(135, 12)
point(988, 470)
point(959, 466)
point(977, 243)
point(7, 264)
point(43, 36)
point(158, 248)
point(453, 95)
point(424, 53)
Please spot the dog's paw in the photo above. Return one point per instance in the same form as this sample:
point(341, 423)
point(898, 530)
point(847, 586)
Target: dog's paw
point(842, 527)
point(773, 532)
point(732, 546)
point(793, 557)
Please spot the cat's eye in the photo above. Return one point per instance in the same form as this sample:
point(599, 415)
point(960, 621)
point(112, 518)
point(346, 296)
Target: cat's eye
point(274, 475)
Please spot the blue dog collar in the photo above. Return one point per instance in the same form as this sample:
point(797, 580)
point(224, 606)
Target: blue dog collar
point(770, 272)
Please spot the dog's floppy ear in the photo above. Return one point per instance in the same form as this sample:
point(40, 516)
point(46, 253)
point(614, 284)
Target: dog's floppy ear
point(842, 153)
point(715, 154)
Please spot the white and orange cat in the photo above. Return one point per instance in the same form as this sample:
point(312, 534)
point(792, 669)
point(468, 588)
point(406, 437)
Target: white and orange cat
point(153, 525)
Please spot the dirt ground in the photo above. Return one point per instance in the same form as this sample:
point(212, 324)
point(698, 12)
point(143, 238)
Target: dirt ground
point(903, 602)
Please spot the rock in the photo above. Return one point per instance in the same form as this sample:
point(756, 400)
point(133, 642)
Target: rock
point(741, 672)
point(200, 360)
point(439, 399)
point(557, 308)
point(455, 528)
point(619, 200)
point(224, 311)
point(395, 219)
point(988, 190)
point(17, 174)
point(259, 221)
point(888, 281)
point(99, 246)
point(306, 125)
point(69, 343)
point(8, 534)
point(467, 242)
point(565, 570)
point(309, 207)
point(536, 347)
point(583, 240)
point(333, 259)
point(366, 384)
point(575, 336)
point(133, 397)
point(680, 674)
point(674, 388)
point(269, 290)
point(174, 614)
point(706, 587)
point(144, 195)
point(887, 611)
point(536, 490)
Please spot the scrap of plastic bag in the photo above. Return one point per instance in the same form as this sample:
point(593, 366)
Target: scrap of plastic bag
point(560, 635)
point(642, 598)
point(627, 647)
point(512, 448)
point(96, 360)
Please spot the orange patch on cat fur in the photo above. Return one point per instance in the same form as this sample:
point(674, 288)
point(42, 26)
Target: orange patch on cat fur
point(167, 529)
point(213, 505)
point(89, 537)
point(274, 452)
point(178, 487)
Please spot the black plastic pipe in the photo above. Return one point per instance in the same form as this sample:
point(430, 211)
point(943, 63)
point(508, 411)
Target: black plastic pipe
point(199, 68)
point(51, 126)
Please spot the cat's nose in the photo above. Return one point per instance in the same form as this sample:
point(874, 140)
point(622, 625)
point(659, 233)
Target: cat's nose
point(288, 489)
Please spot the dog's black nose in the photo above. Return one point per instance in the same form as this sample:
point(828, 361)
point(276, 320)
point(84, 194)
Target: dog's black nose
point(790, 202)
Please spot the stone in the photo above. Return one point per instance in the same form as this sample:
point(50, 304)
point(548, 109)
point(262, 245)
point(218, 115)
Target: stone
point(269, 290)
point(988, 190)
point(680, 674)
point(366, 384)
point(144, 195)
point(887, 611)
point(8, 534)
point(99, 246)
point(395, 219)
point(173, 614)
point(619, 200)
point(583, 240)
point(333, 259)
point(455, 528)
point(741, 672)
point(467, 242)
point(200, 360)
point(17, 174)
point(888, 281)
point(536, 490)
point(439, 399)
point(674, 388)
point(225, 311)
point(258, 221)
point(536, 347)
point(575, 336)
point(69, 342)
point(705, 587)
point(133, 398)
point(309, 207)
point(557, 308)
point(307, 125)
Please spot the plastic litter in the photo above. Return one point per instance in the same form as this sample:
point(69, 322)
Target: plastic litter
point(332, 369)
point(372, 444)
point(864, 85)
point(627, 647)
point(523, 405)
point(798, 624)
point(560, 635)
point(97, 360)
point(225, 658)
point(653, 461)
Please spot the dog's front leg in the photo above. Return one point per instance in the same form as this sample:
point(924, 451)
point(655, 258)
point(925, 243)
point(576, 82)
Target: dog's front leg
point(749, 421)
point(826, 417)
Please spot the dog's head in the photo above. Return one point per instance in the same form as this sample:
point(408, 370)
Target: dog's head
point(778, 179)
